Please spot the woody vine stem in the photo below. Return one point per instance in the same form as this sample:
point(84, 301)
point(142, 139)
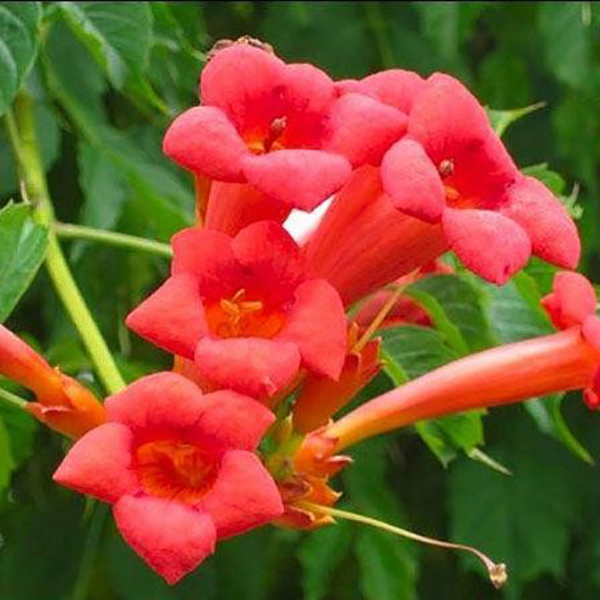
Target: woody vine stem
point(25, 146)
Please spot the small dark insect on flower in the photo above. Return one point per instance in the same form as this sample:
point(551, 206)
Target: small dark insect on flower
point(245, 39)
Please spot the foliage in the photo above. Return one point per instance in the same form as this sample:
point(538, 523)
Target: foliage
point(107, 77)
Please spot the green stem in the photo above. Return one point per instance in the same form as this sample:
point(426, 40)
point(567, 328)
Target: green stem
point(23, 139)
point(12, 399)
point(111, 238)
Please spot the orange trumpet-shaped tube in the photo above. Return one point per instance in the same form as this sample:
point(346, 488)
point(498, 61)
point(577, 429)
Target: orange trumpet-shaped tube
point(560, 362)
point(62, 403)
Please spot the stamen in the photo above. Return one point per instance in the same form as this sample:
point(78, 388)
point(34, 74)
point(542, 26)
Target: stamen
point(276, 130)
point(446, 167)
point(381, 315)
point(497, 571)
point(451, 193)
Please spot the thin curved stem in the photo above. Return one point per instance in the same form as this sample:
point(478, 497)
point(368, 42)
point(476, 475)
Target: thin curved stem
point(497, 571)
point(112, 238)
point(12, 399)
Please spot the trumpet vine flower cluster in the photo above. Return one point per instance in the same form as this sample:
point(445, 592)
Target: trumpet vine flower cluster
point(267, 335)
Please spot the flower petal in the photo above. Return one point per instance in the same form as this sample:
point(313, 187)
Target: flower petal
point(172, 317)
point(252, 366)
point(591, 331)
point(446, 118)
point(300, 178)
point(396, 87)
point(488, 243)
point(171, 537)
point(244, 495)
point(99, 464)
point(207, 255)
point(412, 181)
point(233, 206)
point(308, 93)
point(231, 420)
point(251, 102)
point(362, 128)
point(271, 260)
point(450, 124)
point(161, 400)
point(551, 230)
point(204, 141)
point(572, 300)
point(317, 325)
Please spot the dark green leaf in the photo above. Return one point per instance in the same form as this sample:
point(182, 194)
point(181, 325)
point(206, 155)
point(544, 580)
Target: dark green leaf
point(455, 305)
point(417, 350)
point(7, 463)
point(567, 42)
point(320, 554)
point(524, 519)
point(19, 23)
point(387, 563)
point(22, 249)
point(118, 34)
point(103, 186)
point(502, 119)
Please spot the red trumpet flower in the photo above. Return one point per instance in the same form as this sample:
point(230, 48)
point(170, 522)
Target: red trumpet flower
point(568, 360)
point(245, 310)
point(179, 469)
point(62, 403)
point(451, 173)
point(281, 132)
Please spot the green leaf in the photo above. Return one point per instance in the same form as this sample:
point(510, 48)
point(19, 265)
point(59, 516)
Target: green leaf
point(320, 554)
point(118, 34)
point(19, 23)
point(516, 315)
point(7, 463)
point(417, 350)
point(522, 520)
point(163, 204)
point(447, 436)
point(567, 43)
point(551, 179)
point(103, 186)
point(514, 310)
point(501, 120)
point(41, 547)
point(21, 430)
point(22, 248)
point(547, 414)
point(455, 306)
point(388, 569)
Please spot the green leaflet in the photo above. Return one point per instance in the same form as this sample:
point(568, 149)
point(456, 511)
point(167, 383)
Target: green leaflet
point(22, 249)
point(19, 23)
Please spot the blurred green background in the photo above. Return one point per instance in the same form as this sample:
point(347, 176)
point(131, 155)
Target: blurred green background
point(101, 116)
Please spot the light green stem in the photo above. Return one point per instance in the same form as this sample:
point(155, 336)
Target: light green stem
point(12, 399)
point(23, 138)
point(111, 238)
